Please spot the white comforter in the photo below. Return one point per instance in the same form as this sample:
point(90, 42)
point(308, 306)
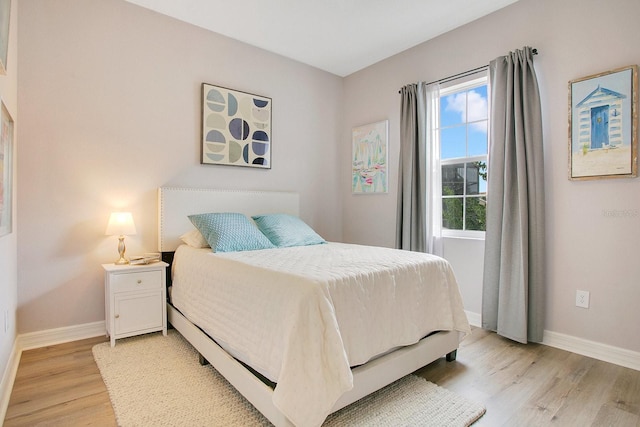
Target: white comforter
point(303, 315)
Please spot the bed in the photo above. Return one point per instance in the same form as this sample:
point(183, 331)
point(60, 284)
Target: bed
point(317, 351)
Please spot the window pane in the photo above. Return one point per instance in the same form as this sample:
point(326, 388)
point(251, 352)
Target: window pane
point(452, 213)
point(473, 179)
point(477, 104)
point(453, 142)
point(482, 171)
point(453, 109)
point(478, 138)
point(476, 215)
point(453, 180)
point(476, 178)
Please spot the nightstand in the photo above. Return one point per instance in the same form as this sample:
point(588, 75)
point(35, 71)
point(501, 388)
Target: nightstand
point(134, 299)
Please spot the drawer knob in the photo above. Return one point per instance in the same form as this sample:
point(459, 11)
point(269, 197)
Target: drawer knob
point(139, 281)
point(117, 316)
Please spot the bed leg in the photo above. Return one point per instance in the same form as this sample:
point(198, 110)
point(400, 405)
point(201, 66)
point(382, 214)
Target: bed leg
point(452, 356)
point(202, 360)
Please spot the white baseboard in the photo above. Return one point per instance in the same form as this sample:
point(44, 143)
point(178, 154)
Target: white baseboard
point(607, 353)
point(61, 335)
point(6, 386)
point(475, 319)
point(596, 350)
point(41, 339)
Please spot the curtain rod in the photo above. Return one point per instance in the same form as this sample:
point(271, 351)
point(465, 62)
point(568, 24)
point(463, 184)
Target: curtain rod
point(534, 51)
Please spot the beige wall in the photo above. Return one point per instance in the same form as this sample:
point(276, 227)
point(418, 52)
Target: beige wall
point(585, 249)
point(109, 110)
point(110, 105)
point(8, 243)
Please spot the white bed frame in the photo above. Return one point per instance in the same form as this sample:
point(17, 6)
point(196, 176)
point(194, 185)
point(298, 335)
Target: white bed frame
point(175, 204)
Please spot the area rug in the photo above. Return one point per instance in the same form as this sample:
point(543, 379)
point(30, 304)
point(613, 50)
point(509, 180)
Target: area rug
point(157, 381)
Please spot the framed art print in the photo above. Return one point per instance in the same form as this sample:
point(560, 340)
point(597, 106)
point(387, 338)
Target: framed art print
point(5, 16)
point(6, 170)
point(236, 128)
point(369, 158)
point(603, 121)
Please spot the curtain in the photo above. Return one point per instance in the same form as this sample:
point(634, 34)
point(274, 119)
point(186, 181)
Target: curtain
point(513, 283)
point(419, 189)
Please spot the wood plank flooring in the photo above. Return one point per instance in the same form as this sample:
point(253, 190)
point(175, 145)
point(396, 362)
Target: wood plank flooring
point(60, 386)
point(532, 385)
point(537, 385)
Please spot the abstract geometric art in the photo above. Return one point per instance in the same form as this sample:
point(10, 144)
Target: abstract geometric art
point(236, 128)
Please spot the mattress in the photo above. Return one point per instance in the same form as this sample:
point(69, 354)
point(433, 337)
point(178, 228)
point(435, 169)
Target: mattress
point(303, 316)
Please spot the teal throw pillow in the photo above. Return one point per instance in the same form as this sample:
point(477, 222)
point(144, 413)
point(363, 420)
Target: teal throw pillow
point(230, 232)
point(287, 230)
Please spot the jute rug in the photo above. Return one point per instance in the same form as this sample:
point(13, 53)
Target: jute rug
point(157, 381)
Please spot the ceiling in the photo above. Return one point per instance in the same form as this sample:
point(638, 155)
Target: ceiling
point(338, 36)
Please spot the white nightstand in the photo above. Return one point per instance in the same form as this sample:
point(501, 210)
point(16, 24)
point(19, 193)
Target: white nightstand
point(134, 299)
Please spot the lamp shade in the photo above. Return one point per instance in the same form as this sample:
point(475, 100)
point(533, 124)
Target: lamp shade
point(120, 224)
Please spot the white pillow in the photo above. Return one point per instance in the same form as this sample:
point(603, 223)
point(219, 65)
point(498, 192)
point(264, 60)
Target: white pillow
point(194, 238)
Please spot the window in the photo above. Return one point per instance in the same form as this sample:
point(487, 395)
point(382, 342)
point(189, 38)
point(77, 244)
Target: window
point(462, 131)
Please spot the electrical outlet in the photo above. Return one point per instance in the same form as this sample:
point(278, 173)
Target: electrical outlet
point(582, 299)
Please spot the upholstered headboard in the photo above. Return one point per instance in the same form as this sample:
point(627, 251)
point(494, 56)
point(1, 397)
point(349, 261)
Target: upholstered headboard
point(176, 204)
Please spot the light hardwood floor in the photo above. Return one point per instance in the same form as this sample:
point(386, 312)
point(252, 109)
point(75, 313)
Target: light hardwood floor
point(60, 386)
point(532, 385)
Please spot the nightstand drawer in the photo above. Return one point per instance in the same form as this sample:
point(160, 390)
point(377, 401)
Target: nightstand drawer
point(136, 281)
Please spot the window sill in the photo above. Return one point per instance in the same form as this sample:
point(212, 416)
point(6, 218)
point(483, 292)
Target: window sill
point(463, 236)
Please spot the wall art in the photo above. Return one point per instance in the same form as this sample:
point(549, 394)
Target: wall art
point(603, 121)
point(236, 128)
point(369, 158)
point(6, 170)
point(5, 17)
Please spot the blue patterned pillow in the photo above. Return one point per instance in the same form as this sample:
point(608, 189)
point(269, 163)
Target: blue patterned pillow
point(287, 230)
point(230, 232)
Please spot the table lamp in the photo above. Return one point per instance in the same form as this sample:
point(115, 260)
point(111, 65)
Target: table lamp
point(121, 224)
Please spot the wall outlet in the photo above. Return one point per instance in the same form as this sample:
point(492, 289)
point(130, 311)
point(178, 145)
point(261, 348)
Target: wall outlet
point(582, 299)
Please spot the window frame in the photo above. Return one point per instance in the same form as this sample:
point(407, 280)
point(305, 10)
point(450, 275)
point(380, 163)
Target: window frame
point(455, 87)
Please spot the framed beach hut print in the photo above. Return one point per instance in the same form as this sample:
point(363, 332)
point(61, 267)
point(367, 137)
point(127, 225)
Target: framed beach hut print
point(603, 121)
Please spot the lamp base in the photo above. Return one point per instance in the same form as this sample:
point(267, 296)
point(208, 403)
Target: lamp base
point(121, 249)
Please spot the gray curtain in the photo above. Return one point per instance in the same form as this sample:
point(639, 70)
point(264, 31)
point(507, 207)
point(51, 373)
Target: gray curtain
point(412, 198)
point(514, 271)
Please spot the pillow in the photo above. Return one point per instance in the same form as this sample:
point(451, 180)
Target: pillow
point(194, 238)
point(230, 232)
point(286, 230)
